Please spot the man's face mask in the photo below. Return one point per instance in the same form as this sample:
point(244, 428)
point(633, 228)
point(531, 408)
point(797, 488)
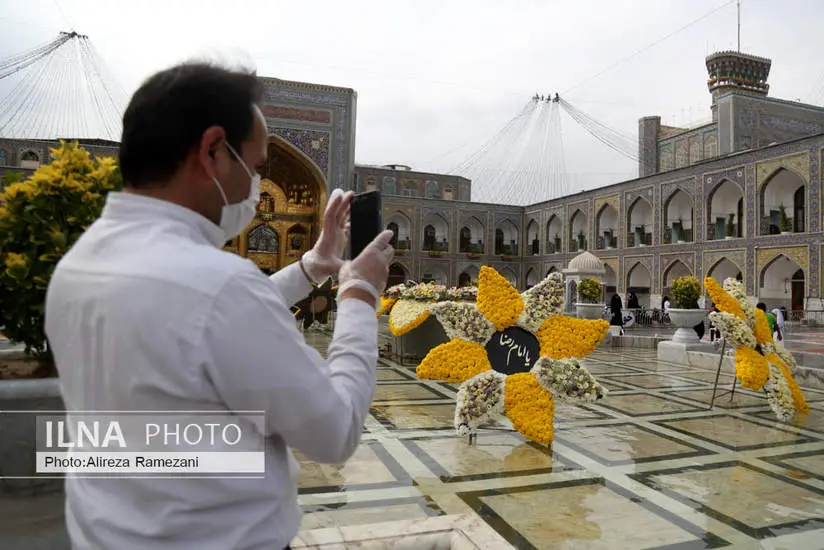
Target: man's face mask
point(235, 217)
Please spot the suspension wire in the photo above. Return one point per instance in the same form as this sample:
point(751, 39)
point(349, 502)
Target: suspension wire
point(62, 91)
point(612, 138)
point(16, 63)
point(649, 46)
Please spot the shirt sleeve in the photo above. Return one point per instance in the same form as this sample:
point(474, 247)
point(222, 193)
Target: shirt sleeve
point(291, 284)
point(258, 360)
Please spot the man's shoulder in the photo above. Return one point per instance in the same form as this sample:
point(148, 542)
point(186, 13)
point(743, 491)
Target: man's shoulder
point(177, 263)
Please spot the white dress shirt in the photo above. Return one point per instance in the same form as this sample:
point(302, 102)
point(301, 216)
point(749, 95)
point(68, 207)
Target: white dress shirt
point(145, 312)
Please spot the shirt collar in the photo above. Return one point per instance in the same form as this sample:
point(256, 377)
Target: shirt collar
point(120, 205)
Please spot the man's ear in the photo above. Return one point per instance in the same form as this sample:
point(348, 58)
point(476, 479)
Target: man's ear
point(213, 161)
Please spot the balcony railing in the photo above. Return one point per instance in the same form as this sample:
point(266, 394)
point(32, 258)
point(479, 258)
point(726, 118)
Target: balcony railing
point(672, 235)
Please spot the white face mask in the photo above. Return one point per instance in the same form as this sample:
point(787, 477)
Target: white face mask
point(234, 218)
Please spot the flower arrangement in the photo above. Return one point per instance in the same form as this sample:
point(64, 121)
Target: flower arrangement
point(513, 354)
point(685, 292)
point(760, 363)
point(589, 291)
point(408, 304)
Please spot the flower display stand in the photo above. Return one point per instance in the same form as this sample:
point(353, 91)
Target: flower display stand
point(684, 320)
point(414, 345)
point(589, 311)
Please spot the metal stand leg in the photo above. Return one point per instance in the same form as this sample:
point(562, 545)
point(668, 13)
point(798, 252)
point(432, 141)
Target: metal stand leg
point(717, 376)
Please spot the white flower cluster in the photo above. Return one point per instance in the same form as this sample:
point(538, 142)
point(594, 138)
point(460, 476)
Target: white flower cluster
point(479, 398)
point(736, 289)
point(542, 302)
point(779, 395)
point(406, 311)
point(429, 292)
point(395, 291)
point(787, 357)
point(734, 331)
point(568, 380)
point(462, 293)
point(463, 320)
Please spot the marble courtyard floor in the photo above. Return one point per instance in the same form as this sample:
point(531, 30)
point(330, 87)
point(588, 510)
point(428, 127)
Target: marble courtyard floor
point(648, 467)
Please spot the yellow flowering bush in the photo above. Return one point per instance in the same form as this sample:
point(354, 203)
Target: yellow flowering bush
point(722, 300)
point(498, 300)
point(40, 219)
point(567, 337)
point(751, 368)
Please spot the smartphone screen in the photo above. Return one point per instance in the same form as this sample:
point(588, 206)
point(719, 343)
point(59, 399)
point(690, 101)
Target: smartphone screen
point(365, 221)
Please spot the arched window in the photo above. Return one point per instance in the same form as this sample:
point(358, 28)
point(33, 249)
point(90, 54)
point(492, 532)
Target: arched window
point(262, 239)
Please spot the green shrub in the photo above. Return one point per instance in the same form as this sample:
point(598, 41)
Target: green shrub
point(40, 219)
point(685, 292)
point(589, 291)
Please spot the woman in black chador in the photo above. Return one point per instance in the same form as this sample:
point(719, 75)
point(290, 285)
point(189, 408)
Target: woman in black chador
point(617, 317)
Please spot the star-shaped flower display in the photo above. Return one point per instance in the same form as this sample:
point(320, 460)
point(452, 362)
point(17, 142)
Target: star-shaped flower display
point(513, 353)
point(760, 363)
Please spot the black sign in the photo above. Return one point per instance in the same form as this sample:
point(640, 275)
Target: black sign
point(512, 351)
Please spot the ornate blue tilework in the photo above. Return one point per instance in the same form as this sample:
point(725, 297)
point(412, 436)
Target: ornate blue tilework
point(313, 143)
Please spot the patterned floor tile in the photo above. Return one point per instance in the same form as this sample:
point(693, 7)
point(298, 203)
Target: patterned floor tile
point(391, 375)
point(627, 444)
point(801, 465)
point(410, 417)
point(754, 501)
point(364, 513)
point(585, 513)
point(413, 391)
point(489, 456)
point(642, 404)
point(371, 467)
point(736, 401)
point(734, 433)
point(650, 381)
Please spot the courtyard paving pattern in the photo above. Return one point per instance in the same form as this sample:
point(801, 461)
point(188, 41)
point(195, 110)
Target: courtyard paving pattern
point(650, 466)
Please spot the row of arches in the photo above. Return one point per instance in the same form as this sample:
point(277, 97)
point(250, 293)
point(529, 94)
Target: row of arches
point(435, 233)
point(782, 282)
point(781, 206)
point(29, 159)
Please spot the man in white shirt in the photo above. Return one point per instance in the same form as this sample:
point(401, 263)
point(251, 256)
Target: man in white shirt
point(146, 312)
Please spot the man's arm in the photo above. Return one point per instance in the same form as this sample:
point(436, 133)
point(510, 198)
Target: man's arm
point(258, 360)
point(291, 284)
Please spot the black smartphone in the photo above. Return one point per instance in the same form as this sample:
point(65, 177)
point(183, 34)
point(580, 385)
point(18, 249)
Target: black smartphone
point(365, 221)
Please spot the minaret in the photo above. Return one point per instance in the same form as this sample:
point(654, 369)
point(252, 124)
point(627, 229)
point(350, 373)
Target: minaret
point(736, 72)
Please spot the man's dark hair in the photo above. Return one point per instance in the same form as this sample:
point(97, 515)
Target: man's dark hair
point(762, 306)
point(168, 114)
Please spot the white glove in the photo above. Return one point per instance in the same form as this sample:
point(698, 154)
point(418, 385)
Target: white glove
point(370, 270)
point(326, 257)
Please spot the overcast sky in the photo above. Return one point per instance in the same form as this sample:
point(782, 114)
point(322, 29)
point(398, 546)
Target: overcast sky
point(437, 79)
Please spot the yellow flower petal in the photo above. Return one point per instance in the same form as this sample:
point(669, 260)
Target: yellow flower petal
point(751, 368)
point(407, 315)
point(763, 335)
point(530, 407)
point(386, 305)
point(799, 401)
point(564, 337)
point(454, 361)
point(498, 300)
point(722, 299)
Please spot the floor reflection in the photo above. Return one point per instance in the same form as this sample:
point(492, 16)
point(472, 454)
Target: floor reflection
point(650, 466)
